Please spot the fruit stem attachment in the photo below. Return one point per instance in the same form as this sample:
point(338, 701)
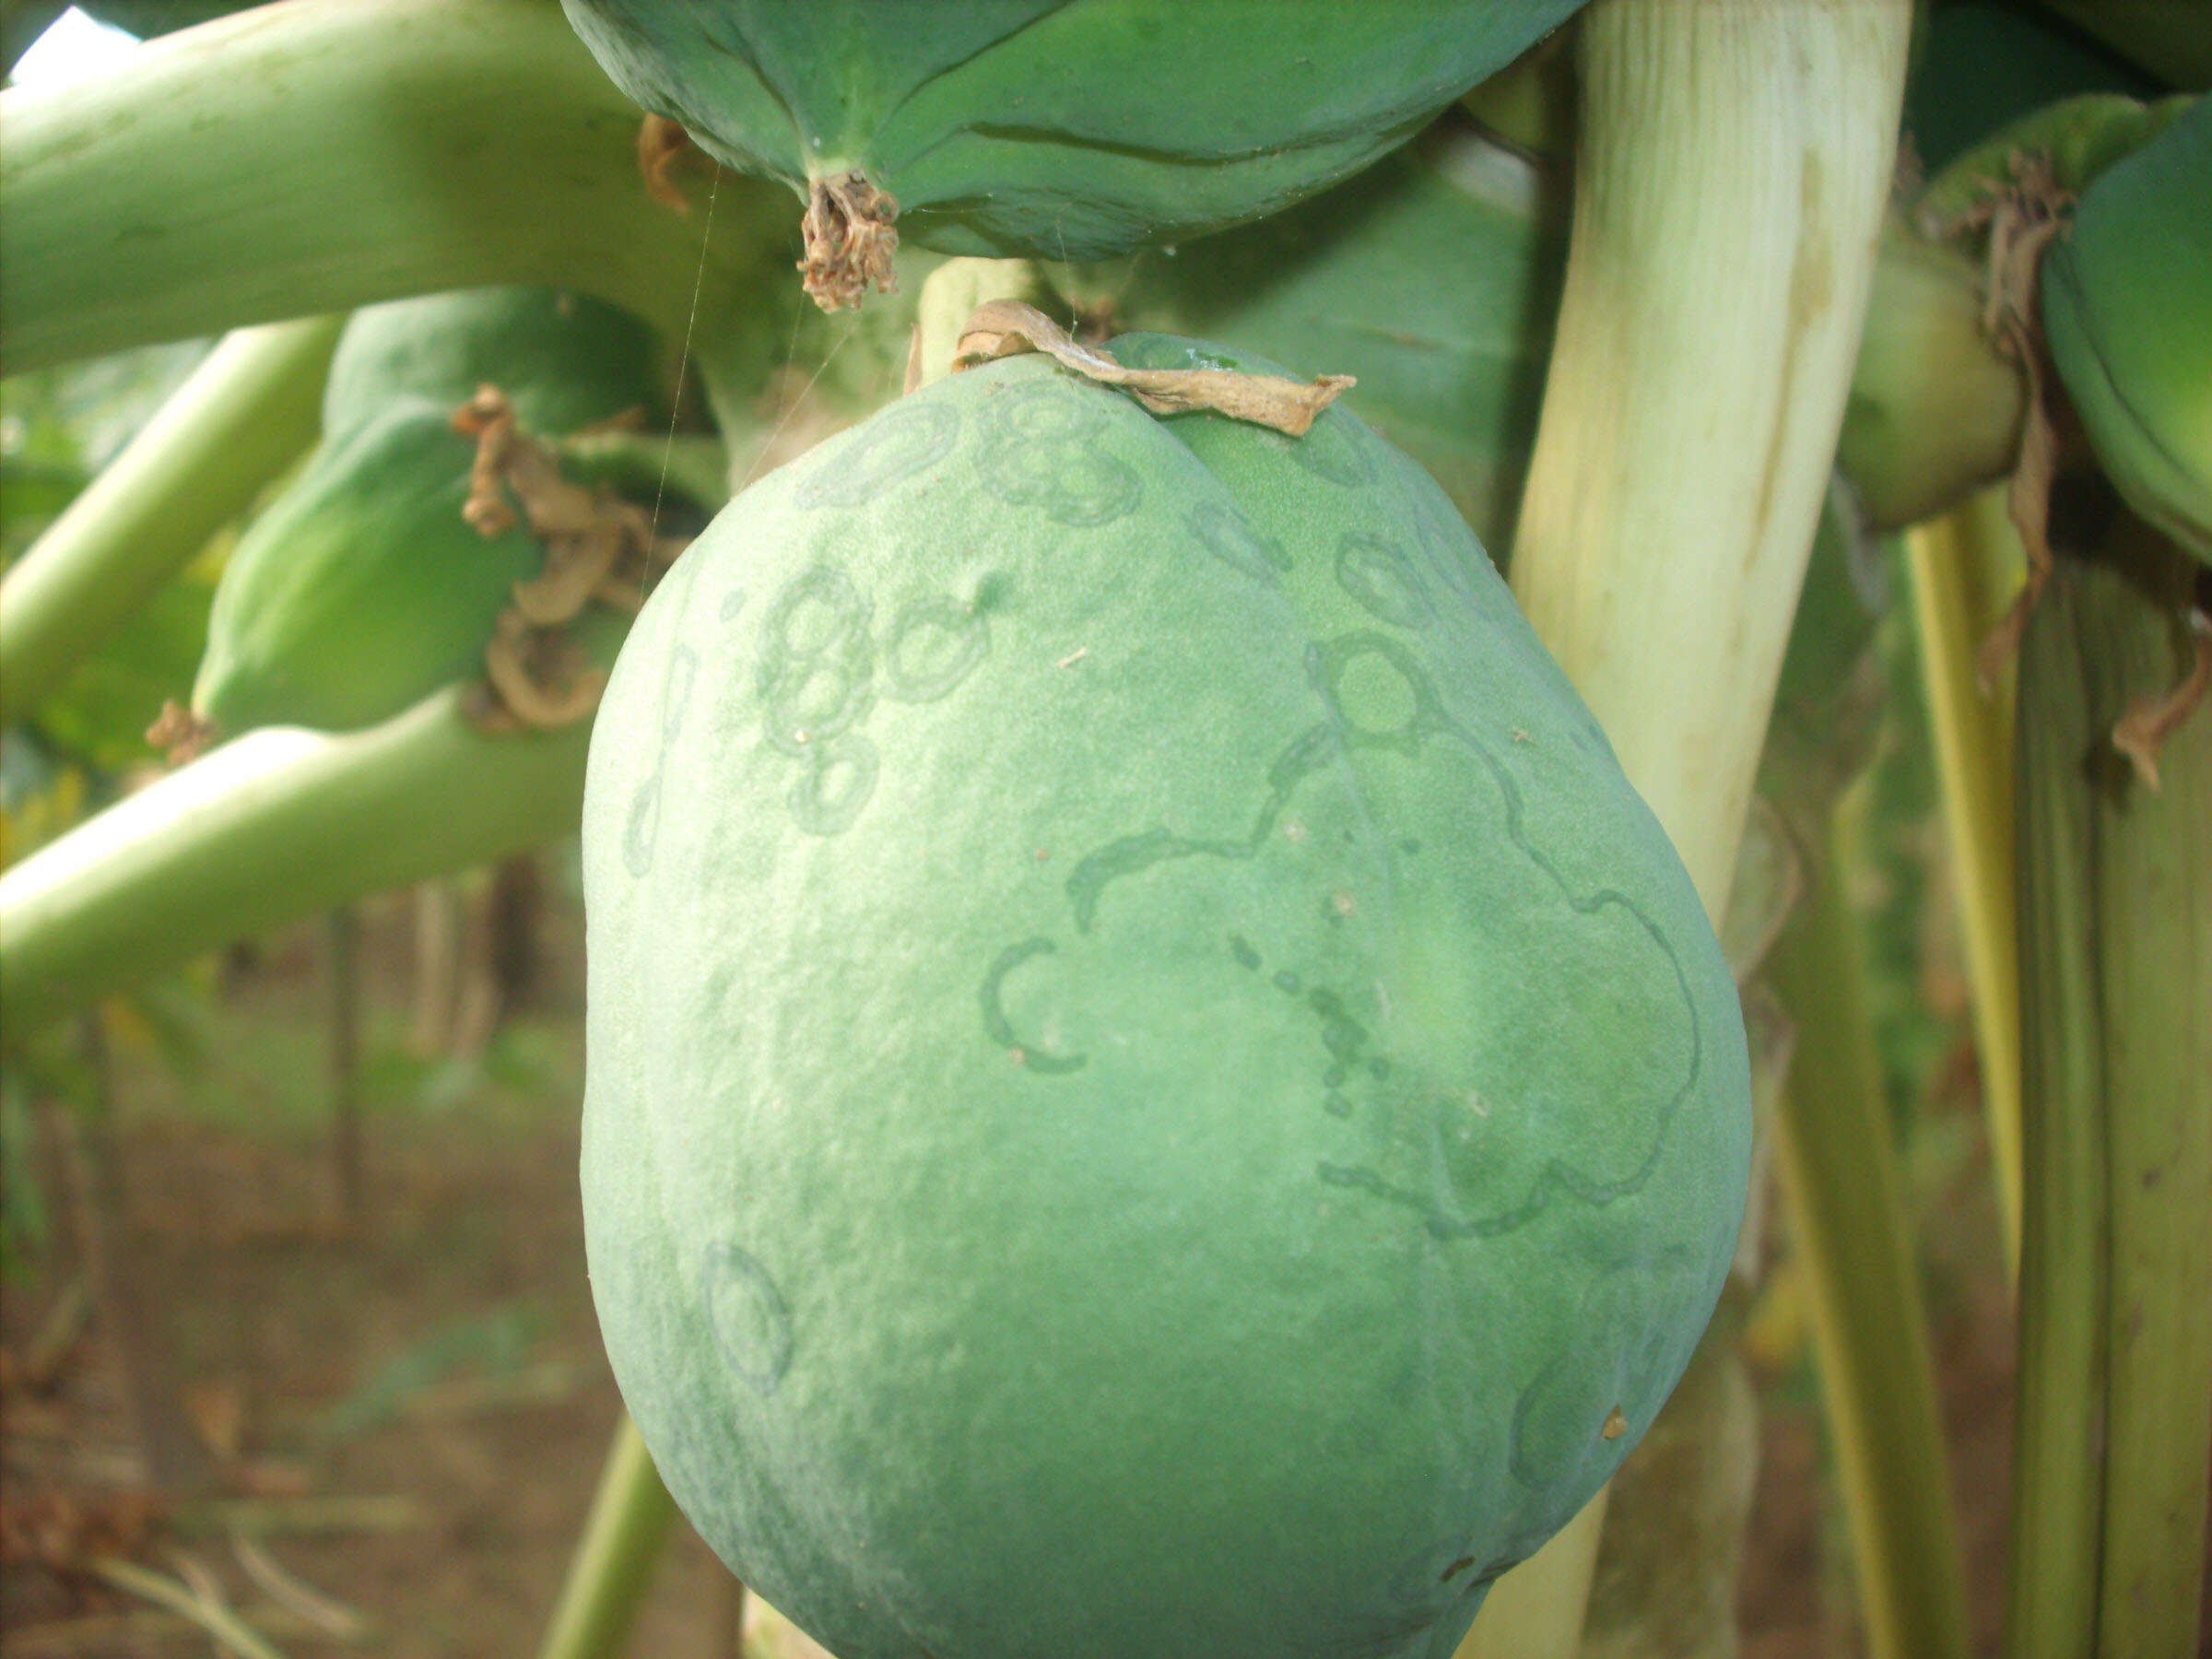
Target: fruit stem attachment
point(848, 236)
point(1008, 328)
point(248, 411)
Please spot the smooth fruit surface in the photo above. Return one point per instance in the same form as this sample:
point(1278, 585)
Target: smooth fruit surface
point(2128, 306)
point(360, 588)
point(566, 361)
point(1056, 129)
point(1151, 1087)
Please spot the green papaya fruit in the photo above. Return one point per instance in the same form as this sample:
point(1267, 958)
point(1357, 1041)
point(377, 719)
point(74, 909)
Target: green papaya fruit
point(2127, 308)
point(564, 359)
point(1151, 1086)
point(1049, 129)
point(362, 588)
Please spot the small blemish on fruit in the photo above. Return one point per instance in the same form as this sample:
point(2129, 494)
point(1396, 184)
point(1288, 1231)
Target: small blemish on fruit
point(1456, 1568)
point(1241, 947)
point(1615, 1425)
point(1522, 736)
point(1293, 830)
point(1075, 656)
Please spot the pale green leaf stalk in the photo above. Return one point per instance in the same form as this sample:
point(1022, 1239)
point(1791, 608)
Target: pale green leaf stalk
point(276, 824)
point(327, 153)
point(1732, 166)
point(1849, 1222)
point(2113, 1433)
point(1964, 568)
point(244, 415)
point(615, 1560)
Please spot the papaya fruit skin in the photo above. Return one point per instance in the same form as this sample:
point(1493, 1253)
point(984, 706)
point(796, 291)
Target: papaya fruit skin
point(1150, 1086)
point(2127, 307)
point(360, 589)
point(564, 359)
point(1056, 129)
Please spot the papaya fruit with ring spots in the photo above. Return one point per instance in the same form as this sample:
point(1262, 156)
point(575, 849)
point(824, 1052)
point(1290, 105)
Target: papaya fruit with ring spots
point(1151, 1087)
point(1045, 129)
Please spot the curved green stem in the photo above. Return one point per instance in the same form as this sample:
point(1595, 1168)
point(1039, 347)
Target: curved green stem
point(244, 415)
point(1957, 599)
point(326, 153)
point(278, 824)
point(615, 1559)
point(1850, 1223)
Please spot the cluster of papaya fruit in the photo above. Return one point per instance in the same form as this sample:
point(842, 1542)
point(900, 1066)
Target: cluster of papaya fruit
point(1130, 999)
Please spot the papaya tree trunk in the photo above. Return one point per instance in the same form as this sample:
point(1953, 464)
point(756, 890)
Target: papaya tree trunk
point(2113, 1434)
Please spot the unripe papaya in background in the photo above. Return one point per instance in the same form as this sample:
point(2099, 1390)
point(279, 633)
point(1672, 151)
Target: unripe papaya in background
point(362, 588)
point(1151, 1086)
point(564, 359)
point(2127, 308)
point(1043, 129)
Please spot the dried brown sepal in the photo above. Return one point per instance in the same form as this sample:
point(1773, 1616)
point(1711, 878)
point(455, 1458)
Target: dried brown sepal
point(542, 678)
point(489, 419)
point(182, 734)
point(597, 546)
point(2028, 500)
point(2142, 729)
point(593, 539)
point(2022, 218)
point(850, 235)
point(1007, 328)
point(664, 150)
